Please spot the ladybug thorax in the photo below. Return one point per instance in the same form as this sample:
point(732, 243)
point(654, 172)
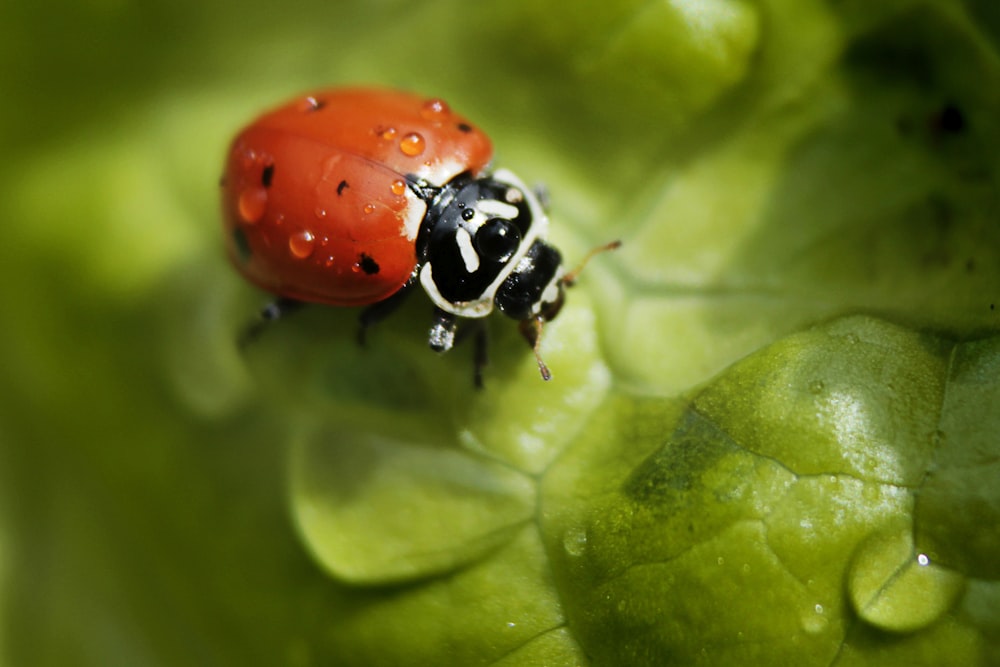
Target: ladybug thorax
point(482, 243)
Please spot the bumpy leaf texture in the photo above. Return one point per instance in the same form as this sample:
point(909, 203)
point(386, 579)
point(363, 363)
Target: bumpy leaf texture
point(772, 432)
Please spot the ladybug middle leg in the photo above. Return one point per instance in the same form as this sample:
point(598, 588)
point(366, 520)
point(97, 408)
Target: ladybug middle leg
point(481, 353)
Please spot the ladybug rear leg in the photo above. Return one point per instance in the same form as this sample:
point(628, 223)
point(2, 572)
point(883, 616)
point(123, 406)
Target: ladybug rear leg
point(277, 309)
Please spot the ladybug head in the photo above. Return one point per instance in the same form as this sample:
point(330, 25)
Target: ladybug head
point(483, 244)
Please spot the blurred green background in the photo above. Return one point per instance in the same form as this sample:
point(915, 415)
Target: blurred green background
point(771, 166)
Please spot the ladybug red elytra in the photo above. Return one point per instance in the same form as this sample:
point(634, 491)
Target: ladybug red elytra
point(351, 197)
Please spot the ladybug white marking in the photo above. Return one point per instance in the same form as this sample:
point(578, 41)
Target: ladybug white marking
point(469, 254)
point(492, 208)
point(413, 215)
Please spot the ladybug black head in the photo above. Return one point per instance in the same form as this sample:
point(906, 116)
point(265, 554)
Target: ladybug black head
point(482, 245)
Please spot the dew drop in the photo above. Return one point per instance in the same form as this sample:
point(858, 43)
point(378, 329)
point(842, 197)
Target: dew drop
point(320, 212)
point(252, 204)
point(387, 133)
point(575, 541)
point(310, 103)
point(814, 621)
point(398, 187)
point(893, 588)
point(413, 144)
point(435, 109)
point(369, 208)
point(301, 244)
point(249, 159)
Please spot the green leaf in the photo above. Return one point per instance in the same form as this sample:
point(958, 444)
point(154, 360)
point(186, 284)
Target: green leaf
point(771, 433)
point(739, 519)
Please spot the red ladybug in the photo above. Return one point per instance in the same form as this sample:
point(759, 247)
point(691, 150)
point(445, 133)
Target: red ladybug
point(350, 197)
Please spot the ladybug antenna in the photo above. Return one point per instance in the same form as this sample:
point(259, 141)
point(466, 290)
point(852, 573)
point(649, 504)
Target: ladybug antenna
point(569, 279)
point(532, 332)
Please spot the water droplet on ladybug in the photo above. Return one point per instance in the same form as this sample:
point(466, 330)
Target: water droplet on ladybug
point(248, 159)
point(398, 187)
point(301, 244)
point(310, 103)
point(320, 213)
point(252, 204)
point(413, 144)
point(435, 109)
point(369, 208)
point(387, 133)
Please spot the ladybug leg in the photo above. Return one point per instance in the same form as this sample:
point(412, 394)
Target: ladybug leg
point(531, 330)
point(480, 347)
point(480, 355)
point(380, 310)
point(541, 192)
point(441, 337)
point(278, 308)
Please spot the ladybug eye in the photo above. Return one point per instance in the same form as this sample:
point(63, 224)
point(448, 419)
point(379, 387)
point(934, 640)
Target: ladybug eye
point(497, 240)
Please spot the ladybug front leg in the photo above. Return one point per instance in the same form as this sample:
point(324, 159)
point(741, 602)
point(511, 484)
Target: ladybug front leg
point(441, 337)
point(278, 308)
point(541, 192)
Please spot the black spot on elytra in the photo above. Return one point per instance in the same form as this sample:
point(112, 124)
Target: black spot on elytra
point(241, 244)
point(343, 185)
point(464, 127)
point(267, 176)
point(368, 265)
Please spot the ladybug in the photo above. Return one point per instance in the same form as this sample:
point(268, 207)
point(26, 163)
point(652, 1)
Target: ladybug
point(352, 197)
